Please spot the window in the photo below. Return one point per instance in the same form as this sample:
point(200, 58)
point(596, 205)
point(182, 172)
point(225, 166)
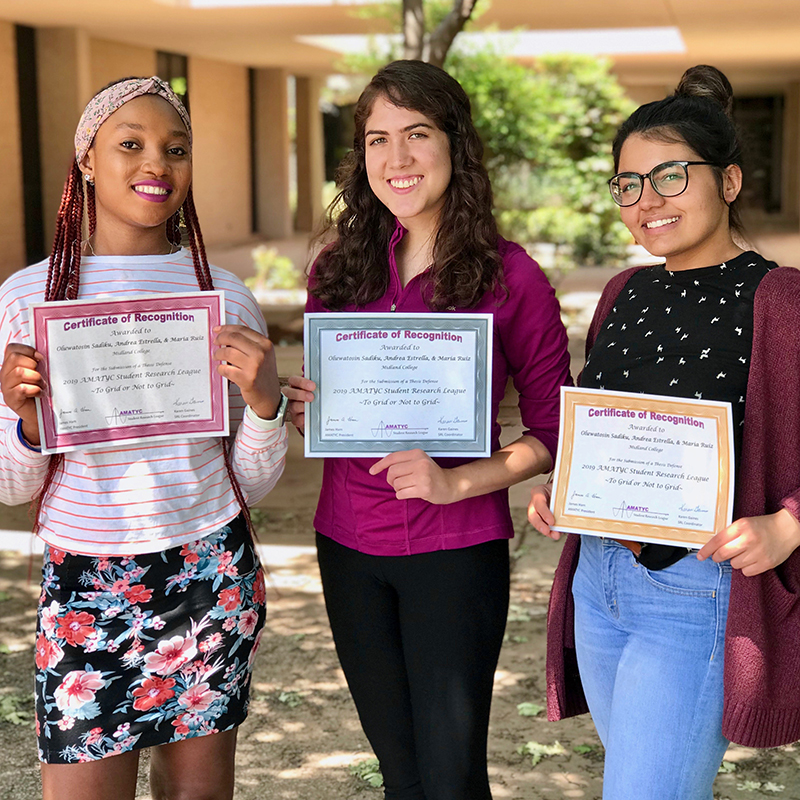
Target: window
point(173, 68)
point(760, 121)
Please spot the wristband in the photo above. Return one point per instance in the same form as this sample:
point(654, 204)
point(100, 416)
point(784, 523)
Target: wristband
point(270, 424)
point(34, 448)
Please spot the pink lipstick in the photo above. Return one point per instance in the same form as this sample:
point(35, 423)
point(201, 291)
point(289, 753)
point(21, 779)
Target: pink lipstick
point(153, 191)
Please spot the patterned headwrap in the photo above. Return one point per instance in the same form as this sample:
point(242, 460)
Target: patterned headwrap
point(104, 104)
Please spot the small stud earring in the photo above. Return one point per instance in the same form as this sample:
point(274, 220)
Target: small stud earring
point(88, 179)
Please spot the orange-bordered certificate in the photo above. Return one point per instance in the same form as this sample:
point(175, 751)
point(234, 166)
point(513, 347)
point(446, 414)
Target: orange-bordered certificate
point(643, 467)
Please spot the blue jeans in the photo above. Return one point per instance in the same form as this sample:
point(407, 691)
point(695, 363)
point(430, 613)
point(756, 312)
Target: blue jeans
point(650, 654)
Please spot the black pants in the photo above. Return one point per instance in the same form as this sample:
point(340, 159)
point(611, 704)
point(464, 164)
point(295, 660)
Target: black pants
point(418, 638)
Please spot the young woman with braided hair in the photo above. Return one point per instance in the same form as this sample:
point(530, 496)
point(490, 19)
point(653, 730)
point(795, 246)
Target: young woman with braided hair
point(152, 601)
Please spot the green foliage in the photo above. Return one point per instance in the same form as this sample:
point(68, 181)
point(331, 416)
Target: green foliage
point(506, 102)
point(272, 270)
point(380, 51)
point(258, 516)
point(529, 709)
point(539, 751)
point(584, 749)
point(392, 12)
point(179, 86)
point(758, 786)
point(547, 131)
point(727, 766)
point(291, 699)
point(369, 771)
point(12, 711)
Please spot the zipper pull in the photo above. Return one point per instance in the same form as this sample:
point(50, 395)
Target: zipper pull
point(394, 307)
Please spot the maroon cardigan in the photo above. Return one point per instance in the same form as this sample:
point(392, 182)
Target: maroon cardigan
point(762, 639)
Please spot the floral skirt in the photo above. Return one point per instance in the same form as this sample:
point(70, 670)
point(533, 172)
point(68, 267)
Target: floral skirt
point(138, 651)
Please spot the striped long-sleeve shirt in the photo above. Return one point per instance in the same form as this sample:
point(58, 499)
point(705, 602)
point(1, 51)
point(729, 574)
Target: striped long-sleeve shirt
point(136, 498)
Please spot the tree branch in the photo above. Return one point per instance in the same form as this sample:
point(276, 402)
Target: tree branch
point(413, 29)
point(442, 38)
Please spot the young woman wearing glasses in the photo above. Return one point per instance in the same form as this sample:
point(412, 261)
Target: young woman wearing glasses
point(676, 653)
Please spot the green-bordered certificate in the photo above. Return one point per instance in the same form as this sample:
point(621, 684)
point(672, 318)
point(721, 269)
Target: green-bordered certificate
point(389, 382)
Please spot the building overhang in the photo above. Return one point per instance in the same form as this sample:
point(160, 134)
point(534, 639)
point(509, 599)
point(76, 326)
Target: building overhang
point(750, 41)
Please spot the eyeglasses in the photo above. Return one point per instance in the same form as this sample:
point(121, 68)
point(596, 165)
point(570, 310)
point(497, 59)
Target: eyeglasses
point(668, 179)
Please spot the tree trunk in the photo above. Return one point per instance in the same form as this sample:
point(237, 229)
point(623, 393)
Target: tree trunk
point(413, 29)
point(442, 38)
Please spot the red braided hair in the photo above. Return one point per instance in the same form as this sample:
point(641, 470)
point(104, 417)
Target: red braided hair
point(205, 282)
point(63, 282)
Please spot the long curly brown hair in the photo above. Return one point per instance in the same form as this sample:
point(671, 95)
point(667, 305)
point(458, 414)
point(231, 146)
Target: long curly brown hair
point(353, 269)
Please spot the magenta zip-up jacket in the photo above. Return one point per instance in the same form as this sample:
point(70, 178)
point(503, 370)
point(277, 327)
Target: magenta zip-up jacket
point(360, 511)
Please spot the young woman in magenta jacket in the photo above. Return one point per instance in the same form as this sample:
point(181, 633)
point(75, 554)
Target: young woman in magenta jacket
point(414, 551)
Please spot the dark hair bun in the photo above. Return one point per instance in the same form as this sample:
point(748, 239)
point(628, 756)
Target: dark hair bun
point(706, 81)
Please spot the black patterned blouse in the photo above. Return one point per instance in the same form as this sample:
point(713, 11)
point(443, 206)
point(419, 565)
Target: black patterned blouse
point(681, 334)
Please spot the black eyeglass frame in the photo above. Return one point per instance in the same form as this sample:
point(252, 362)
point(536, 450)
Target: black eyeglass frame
point(649, 176)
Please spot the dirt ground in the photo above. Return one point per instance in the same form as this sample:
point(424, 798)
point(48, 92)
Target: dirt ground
point(303, 737)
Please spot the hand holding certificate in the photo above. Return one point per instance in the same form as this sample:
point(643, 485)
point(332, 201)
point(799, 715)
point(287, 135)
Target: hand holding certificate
point(643, 467)
point(129, 370)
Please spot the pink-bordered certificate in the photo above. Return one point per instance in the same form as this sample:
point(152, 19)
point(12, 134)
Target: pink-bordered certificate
point(129, 370)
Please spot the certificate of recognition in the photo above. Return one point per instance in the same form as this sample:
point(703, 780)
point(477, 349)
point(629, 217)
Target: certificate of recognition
point(389, 382)
point(129, 370)
point(643, 467)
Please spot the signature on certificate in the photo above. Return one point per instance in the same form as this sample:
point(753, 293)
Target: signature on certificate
point(693, 509)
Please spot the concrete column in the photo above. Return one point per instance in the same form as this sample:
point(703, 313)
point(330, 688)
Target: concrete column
point(310, 153)
point(114, 60)
point(220, 104)
point(63, 61)
point(12, 221)
point(271, 149)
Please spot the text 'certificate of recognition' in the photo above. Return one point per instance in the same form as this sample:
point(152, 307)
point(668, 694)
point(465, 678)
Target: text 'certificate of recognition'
point(643, 467)
point(129, 370)
point(389, 382)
